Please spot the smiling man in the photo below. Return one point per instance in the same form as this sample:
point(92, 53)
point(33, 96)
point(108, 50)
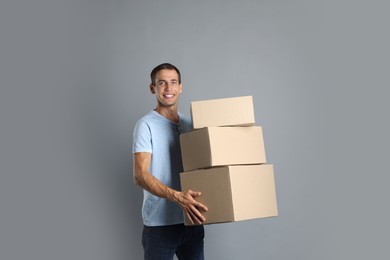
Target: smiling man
point(157, 165)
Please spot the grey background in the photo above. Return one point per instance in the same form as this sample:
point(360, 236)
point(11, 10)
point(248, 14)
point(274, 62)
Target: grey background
point(74, 80)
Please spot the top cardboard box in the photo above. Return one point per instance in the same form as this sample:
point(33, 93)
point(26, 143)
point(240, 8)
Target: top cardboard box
point(237, 111)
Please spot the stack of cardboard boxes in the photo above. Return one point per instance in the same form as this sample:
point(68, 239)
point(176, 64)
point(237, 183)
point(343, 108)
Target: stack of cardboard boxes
point(224, 158)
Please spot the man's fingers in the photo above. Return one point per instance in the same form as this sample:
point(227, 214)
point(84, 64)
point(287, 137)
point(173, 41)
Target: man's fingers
point(201, 206)
point(197, 204)
point(193, 208)
point(194, 193)
point(193, 218)
point(198, 217)
point(190, 218)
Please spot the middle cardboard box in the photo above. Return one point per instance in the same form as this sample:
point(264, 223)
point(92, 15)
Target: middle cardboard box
point(219, 146)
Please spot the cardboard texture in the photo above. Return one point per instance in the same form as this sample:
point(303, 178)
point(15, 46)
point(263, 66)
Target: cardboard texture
point(234, 193)
point(237, 111)
point(217, 146)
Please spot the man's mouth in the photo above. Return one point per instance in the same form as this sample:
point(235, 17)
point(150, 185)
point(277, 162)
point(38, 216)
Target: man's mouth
point(168, 95)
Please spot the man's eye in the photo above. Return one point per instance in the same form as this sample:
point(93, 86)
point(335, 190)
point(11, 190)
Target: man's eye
point(162, 83)
point(174, 82)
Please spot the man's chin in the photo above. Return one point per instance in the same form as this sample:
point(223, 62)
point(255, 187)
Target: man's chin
point(168, 104)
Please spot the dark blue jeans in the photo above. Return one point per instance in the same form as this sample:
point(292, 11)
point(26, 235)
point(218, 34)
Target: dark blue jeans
point(163, 242)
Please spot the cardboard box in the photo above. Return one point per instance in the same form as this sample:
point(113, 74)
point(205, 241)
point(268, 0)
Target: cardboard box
point(237, 111)
point(217, 146)
point(234, 193)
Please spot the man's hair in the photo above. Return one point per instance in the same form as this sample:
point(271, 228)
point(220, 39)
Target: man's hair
point(164, 66)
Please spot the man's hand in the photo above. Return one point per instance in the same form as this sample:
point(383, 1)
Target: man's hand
point(192, 208)
point(186, 199)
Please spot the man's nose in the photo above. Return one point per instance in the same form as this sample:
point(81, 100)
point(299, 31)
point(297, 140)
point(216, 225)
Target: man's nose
point(168, 85)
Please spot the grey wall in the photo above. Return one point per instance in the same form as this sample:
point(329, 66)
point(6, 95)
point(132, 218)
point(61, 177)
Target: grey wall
point(74, 80)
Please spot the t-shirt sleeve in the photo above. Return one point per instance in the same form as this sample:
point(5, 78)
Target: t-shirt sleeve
point(142, 141)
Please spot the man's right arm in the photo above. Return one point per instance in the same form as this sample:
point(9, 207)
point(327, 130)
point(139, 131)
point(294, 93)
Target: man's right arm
point(147, 181)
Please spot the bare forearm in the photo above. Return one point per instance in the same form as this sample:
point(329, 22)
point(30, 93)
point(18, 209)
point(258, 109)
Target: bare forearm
point(156, 187)
point(186, 199)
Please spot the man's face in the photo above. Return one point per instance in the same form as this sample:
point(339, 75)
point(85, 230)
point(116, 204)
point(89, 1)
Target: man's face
point(166, 87)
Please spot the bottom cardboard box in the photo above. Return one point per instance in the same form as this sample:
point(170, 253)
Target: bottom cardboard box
point(234, 193)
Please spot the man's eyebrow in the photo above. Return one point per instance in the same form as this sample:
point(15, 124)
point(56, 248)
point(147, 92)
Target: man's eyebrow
point(171, 80)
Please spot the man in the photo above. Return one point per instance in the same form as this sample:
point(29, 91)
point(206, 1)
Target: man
point(157, 164)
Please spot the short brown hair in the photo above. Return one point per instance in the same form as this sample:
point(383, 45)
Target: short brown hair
point(164, 66)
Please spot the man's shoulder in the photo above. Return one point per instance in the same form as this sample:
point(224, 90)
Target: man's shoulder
point(147, 118)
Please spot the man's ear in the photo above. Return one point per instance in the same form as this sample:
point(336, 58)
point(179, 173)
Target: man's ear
point(152, 90)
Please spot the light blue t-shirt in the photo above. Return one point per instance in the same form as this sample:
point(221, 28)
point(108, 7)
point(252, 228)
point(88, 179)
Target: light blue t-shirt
point(159, 136)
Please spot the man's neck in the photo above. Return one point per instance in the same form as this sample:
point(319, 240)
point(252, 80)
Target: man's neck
point(168, 112)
